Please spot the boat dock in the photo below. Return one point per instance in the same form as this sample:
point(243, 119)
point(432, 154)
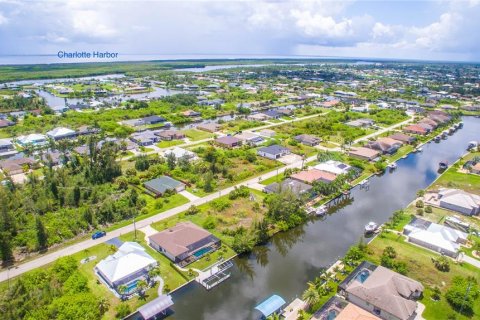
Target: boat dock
point(215, 275)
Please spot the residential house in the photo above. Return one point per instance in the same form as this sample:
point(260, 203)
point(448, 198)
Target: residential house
point(6, 146)
point(86, 130)
point(460, 201)
point(191, 113)
point(416, 129)
point(335, 167)
point(297, 187)
point(272, 114)
point(228, 142)
point(250, 138)
point(285, 112)
point(184, 243)
point(363, 153)
point(385, 145)
point(258, 117)
point(163, 184)
point(153, 119)
point(405, 138)
point(180, 153)
point(308, 140)
point(145, 138)
point(16, 166)
point(426, 126)
point(383, 292)
point(313, 175)
point(273, 152)
point(475, 168)
point(352, 312)
point(169, 135)
point(60, 133)
point(33, 139)
point(6, 123)
point(209, 127)
point(267, 133)
point(360, 123)
point(125, 267)
point(436, 237)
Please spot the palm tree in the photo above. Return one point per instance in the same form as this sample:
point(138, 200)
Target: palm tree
point(311, 296)
point(141, 287)
point(122, 289)
point(274, 316)
point(103, 305)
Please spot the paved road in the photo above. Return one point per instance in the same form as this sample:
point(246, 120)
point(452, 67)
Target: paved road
point(50, 257)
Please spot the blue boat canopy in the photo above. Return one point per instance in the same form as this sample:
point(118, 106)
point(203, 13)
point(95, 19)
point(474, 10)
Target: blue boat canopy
point(271, 305)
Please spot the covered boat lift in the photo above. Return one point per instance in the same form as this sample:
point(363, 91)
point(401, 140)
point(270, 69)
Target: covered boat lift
point(272, 305)
point(158, 306)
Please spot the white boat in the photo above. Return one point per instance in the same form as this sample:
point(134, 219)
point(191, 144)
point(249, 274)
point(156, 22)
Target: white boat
point(392, 165)
point(364, 183)
point(322, 210)
point(420, 149)
point(371, 227)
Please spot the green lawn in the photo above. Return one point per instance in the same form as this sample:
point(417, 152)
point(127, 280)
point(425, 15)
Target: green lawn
point(275, 178)
point(171, 143)
point(421, 268)
point(404, 150)
point(195, 135)
point(222, 254)
point(454, 179)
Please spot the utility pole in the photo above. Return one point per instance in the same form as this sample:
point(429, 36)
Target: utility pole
point(135, 228)
point(466, 295)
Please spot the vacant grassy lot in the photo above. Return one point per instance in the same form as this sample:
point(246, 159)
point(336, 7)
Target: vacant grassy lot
point(226, 215)
point(454, 179)
point(171, 143)
point(195, 135)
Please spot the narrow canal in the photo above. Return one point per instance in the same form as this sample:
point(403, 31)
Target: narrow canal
point(284, 265)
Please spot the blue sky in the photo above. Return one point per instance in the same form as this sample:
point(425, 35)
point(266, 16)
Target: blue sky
point(430, 30)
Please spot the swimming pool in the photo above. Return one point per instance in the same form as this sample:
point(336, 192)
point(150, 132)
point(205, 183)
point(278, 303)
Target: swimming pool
point(362, 275)
point(201, 252)
point(332, 314)
point(131, 286)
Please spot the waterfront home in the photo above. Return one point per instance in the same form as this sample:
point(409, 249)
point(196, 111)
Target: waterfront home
point(258, 117)
point(352, 312)
point(339, 309)
point(169, 135)
point(191, 113)
point(385, 145)
point(426, 126)
point(313, 175)
point(209, 127)
point(125, 267)
point(228, 142)
point(381, 291)
point(180, 153)
point(34, 139)
point(15, 166)
point(308, 140)
point(61, 133)
point(273, 152)
point(416, 129)
point(405, 138)
point(360, 123)
point(457, 200)
point(335, 167)
point(250, 138)
point(297, 187)
point(272, 305)
point(184, 243)
point(430, 122)
point(145, 138)
point(363, 153)
point(163, 184)
point(153, 119)
point(436, 237)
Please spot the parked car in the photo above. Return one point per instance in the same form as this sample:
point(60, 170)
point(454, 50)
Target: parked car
point(98, 234)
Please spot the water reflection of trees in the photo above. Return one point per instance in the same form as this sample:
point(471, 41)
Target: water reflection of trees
point(284, 241)
point(261, 255)
point(244, 266)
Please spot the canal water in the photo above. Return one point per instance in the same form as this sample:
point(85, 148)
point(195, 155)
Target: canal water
point(290, 259)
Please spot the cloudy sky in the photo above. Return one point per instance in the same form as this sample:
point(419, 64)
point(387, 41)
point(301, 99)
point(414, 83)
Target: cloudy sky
point(432, 30)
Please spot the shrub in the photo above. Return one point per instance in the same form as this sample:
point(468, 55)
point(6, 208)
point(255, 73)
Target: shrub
point(220, 204)
point(442, 264)
point(419, 204)
point(122, 310)
point(193, 210)
point(428, 209)
point(209, 223)
point(436, 294)
point(420, 211)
